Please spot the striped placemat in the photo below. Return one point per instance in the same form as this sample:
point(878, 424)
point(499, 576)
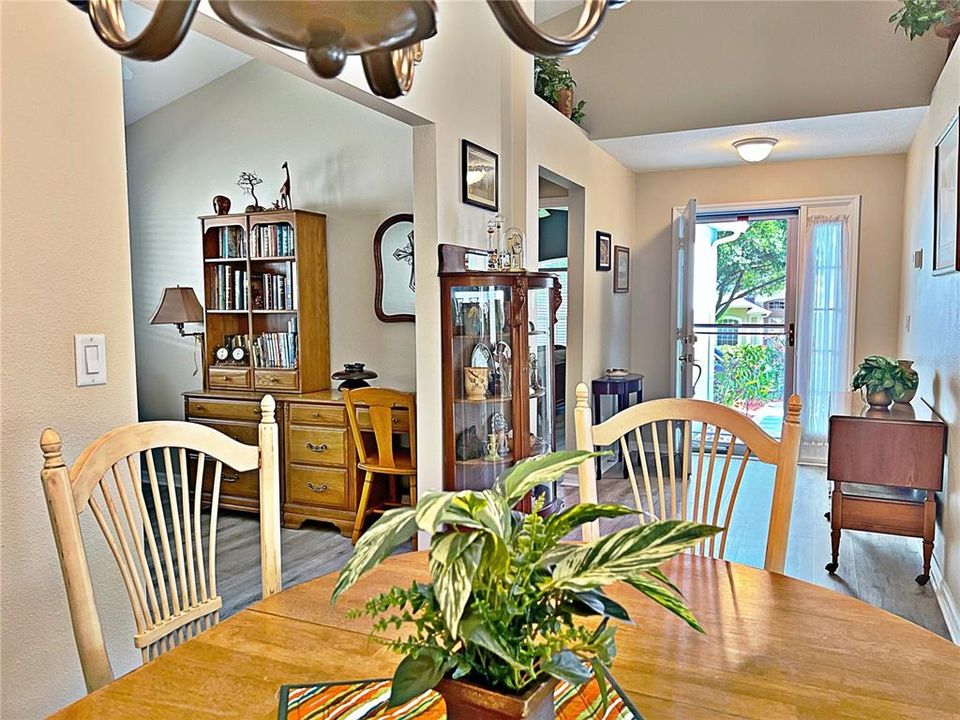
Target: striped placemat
point(362, 699)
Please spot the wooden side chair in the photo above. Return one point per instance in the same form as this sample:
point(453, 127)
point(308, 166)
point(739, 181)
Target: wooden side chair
point(680, 496)
point(386, 459)
point(155, 535)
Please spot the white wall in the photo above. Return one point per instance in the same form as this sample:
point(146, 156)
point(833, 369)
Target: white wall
point(933, 306)
point(65, 270)
point(878, 178)
point(347, 161)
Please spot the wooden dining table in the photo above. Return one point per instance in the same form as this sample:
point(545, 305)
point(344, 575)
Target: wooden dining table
point(773, 648)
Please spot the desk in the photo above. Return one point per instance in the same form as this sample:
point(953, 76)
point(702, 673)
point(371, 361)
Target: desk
point(774, 647)
point(885, 466)
point(622, 388)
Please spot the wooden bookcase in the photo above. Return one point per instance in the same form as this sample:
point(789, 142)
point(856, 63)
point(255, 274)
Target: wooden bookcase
point(265, 288)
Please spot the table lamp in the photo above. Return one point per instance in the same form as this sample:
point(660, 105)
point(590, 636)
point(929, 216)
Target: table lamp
point(179, 305)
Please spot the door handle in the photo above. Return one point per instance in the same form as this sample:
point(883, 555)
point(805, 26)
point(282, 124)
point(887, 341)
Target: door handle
point(791, 334)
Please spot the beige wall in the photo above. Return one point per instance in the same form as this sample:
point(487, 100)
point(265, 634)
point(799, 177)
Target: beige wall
point(933, 306)
point(879, 179)
point(65, 270)
point(347, 161)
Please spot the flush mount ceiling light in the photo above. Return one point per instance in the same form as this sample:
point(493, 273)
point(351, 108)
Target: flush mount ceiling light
point(755, 149)
point(388, 35)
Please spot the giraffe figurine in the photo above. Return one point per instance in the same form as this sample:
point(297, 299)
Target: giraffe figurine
point(285, 190)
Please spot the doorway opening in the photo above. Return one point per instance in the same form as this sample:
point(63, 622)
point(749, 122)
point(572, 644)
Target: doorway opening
point(744, 301)
point(553, 257)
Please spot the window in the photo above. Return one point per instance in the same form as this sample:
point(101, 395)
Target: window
point(558, 267)
point(728, 335)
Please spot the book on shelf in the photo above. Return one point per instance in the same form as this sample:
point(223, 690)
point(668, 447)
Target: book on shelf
point(276, 350)
point(229, 289)
point(275, 240)
point(272, 291)
point(231, 243)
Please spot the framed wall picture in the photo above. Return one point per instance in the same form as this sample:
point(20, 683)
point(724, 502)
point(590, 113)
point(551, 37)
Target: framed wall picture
point(394, 298)
point(946, 197)
point(479, 176)
point(621, 269)
point(604, 246)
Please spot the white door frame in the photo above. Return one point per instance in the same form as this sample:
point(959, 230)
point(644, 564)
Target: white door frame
point(803, 205)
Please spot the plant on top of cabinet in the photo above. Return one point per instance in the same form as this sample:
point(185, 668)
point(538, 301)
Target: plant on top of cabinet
point(916, 17)
point(555, 84)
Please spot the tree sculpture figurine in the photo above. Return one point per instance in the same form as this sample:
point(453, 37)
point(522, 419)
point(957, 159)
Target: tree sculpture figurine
point(248, 182)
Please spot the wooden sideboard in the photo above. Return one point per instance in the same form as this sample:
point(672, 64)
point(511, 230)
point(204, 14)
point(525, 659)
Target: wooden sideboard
point(318, 455)
point(885, 466)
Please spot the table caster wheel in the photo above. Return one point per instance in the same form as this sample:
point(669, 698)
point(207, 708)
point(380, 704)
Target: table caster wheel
point(832, 568)
point(922, 579)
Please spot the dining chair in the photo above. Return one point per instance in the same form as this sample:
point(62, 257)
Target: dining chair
point(155, 536)
point(386, 459)
point(701, 497)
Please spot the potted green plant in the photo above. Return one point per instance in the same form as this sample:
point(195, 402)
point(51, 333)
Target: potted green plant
point(500, 621)
point(916, 17)
point(883, 380)
point(555, 84)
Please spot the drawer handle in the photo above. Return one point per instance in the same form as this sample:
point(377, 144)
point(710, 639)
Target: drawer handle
point(201, 407)
point(316, 415)
point(229, 477)
point(274, 379)
point(316, 448)
point(313, 487)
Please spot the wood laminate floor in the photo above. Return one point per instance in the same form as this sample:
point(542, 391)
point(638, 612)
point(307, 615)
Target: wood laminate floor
point(878, 569)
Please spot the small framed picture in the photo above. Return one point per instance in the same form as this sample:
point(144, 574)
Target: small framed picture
point(604, 244)
point(621, 269)
point(479, 173)
point(946, 197)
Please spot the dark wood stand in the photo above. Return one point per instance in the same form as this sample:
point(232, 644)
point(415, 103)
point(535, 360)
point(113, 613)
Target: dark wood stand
point(621, 387)
point(885, 466)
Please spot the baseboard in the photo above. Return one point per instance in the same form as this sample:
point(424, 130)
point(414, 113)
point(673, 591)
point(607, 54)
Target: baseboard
point(948, 604)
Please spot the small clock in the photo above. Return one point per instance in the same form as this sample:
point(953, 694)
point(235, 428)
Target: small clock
point(222, 353)
point(239, 354)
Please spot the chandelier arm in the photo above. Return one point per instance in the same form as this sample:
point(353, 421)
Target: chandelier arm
point(526, 35)
point(162, 35)
point(381, 74)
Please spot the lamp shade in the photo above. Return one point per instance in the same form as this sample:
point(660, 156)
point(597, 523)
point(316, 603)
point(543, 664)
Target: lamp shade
point(178, 305)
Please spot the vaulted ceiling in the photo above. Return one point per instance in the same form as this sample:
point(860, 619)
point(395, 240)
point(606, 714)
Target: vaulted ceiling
point(659, 67)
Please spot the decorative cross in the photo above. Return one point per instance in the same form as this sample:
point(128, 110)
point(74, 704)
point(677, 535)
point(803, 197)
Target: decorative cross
point(405, 254)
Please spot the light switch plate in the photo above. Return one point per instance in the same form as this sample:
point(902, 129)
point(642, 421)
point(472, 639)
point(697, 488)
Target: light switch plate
point(90, 352)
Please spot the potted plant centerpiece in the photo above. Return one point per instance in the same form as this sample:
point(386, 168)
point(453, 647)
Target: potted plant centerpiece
point(916, 17)
point(883, 380)
point(555, 84)
point(500, 621)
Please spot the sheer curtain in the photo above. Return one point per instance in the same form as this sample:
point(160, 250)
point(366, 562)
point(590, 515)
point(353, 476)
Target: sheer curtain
point(824, 320)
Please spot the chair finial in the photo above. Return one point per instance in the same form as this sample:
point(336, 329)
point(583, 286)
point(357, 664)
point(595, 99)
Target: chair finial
point(268, 407)
point(52, 447)
point(794, 406)
point(582, 396)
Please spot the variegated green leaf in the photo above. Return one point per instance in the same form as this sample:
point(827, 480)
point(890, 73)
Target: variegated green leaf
point(396, 526)
point(626, 553)
point(667, 599)
point(526, 475)
point(454, 558)
point(562, 523)
point(430, 506)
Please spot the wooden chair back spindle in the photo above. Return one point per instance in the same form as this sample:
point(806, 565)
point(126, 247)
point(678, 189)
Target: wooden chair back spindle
point(704, 495)
point(153, 529)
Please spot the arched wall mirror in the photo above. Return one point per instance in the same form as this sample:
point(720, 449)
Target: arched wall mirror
point(393, 255)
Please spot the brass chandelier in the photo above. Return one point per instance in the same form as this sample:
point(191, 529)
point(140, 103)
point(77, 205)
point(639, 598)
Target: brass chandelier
point(388, 35)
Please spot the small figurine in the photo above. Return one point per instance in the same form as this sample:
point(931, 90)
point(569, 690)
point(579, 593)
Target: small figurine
point(284, 202)
point(534, 374)
point(469, 444)
point(248, 182)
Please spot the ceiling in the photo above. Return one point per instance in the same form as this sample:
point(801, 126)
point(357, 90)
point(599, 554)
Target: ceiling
point(148, 86)
point(872, 133)
point(662, 67)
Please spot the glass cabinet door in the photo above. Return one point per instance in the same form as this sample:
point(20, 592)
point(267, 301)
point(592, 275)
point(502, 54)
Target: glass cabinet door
point(541, 371)
point(483, 376)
